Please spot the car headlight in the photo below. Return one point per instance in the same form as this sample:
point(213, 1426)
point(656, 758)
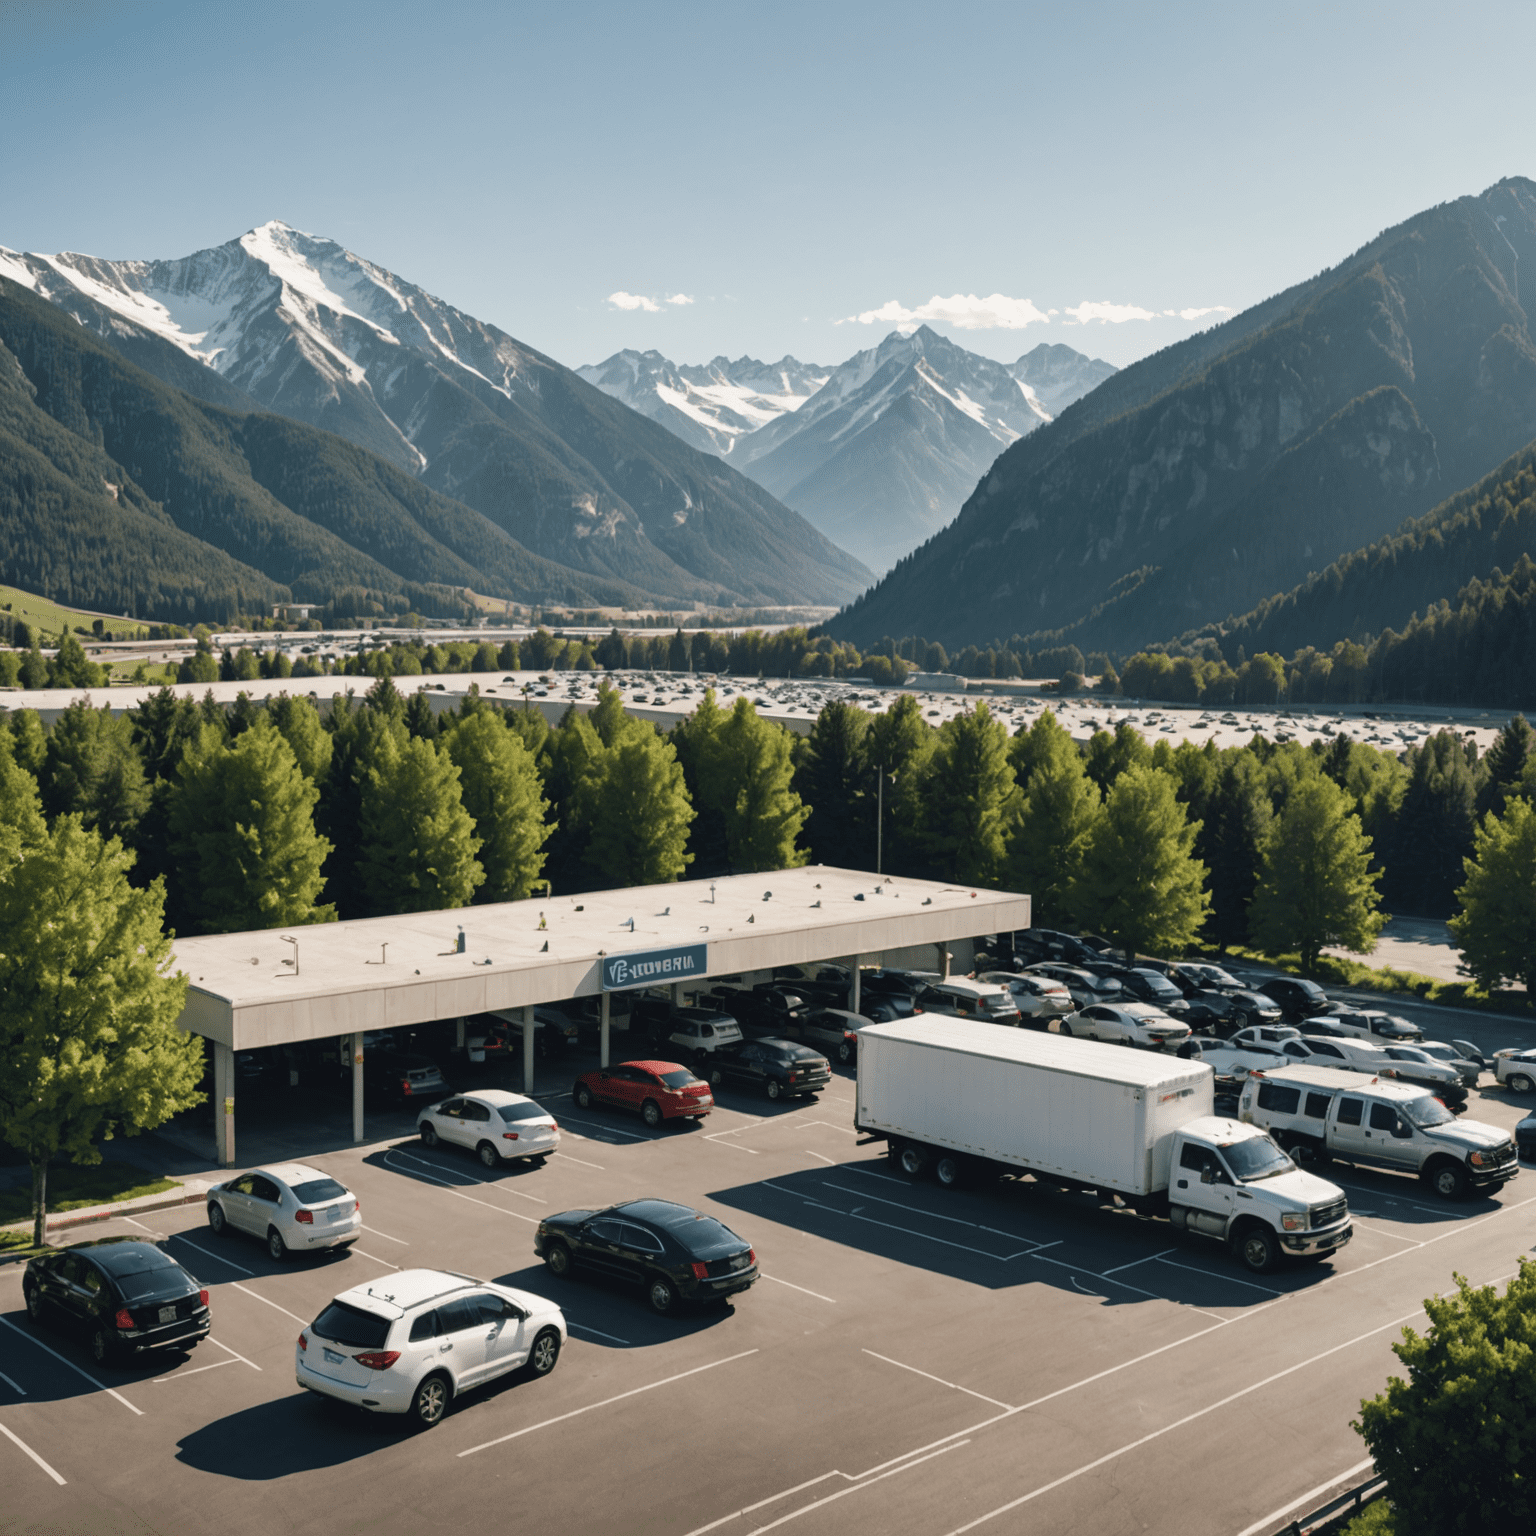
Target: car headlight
point(1294, 1221)
point(1476, 1159)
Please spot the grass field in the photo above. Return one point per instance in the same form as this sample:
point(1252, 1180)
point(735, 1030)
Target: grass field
point(50, 617)
point(70, 1188)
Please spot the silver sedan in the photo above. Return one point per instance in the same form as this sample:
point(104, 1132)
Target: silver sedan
point(1127, 1024)
point(1039, 998)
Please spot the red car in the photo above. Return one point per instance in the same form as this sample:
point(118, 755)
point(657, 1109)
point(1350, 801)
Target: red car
point(659, 1090)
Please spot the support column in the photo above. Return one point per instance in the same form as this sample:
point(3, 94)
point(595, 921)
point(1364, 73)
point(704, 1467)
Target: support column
point(853, 995)
point(528, 1051)
point(603, 1017)
point(941, 951)
point(224, 1105)
point(357, 1088)
point(677, 994)
point(458, 1033)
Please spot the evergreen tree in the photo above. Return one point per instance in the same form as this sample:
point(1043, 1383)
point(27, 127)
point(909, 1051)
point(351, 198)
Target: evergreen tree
point(640, 813)
point(202, 666)
point(697, 742)
point(899, 744)
point(571, 764)
point(29, 741)
point(1110, 756)
point(1230, 838)
point(361, 740)
point(1432, 834)
point(21, 810)
point(242, 829)
point(965, 796)
point(833, 778)
point(1045, 744)
point(301, 727)
point(416, 842)
point(608, 716)
point(1496, 926)
point(1140, 884)
point(164, 725)
point(1506, 761)
point(1048, 828)
point(504, 796)
point(71, 668)
point(1315, 884)
point(763, 814)
point(89, 1004)
point(91, 769)
point(420, 721)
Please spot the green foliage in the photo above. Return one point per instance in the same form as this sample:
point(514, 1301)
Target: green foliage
point(640, 812)
point(1376, 1520)
point(503, 796)
point(1432, 832)
point(91, 769)
point(834, 780)
point(88, 1006)
point(763, 813)
point(965, 796)
point(1315, 884)
point(71, 668)
point(1496, 926)
point(1110, 756)
point(361, 740)
point(1236, 823)
point(1456, 1440)
point(1140, 884)
point(1505, 763)
point(241, 826)
point(416, 842)
point(300, 725)
point(1049, 823)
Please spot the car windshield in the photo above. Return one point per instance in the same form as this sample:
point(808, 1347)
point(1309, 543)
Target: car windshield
point(1256, 1158)
point(1159, 986)
point(1425, 1112)
point(1439, 1052)
point(316, 1190)
point(1102, 984)
point(678, 1079)
point(527, 1110)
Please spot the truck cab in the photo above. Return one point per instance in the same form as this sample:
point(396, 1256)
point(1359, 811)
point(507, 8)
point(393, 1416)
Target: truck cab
point(1321, 1113)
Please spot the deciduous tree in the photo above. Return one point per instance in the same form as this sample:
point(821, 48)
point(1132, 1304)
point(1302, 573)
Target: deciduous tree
point(640, 813)
point(965, 796)
point(505, 798)
point(1496, 926)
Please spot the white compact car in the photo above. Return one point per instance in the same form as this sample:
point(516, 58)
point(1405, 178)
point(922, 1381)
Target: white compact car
point(292, 1206)
point(497, 1126)
point(413, 1341)
point(1516, 1069)
point(1127, 1024)
point(1038, 998)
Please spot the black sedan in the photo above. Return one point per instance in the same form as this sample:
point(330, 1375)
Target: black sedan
point(1296, 997)
point(780, 1068)
point(121, 1294)
point(673, 1251)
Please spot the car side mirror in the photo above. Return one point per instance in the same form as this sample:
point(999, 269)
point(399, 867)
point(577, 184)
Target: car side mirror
point(1208, 1174)
point(1401, 1131)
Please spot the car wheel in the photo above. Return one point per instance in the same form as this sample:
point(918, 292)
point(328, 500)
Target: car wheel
point(914, 1161)
point(430, 1400)
point(33, 1297)
point(488, 1155)
point(949, 1171)
point(102, 1349)
point(428, 1133)
point(844, 1054)
point(1520, 1083)
point(1448, 1180)
point(216, 1219)
point(583, 1096)
point(715, 1077)
point(557, 1260)
point(545, 1351)
point(773, 1089)
point(1258, 1250)
point(660, 1294)
point(650, 1112)
point(275, 1245)
point(1065, 1028)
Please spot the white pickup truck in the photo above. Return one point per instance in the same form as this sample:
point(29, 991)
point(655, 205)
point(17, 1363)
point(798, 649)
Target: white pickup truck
point(960, 1097)
point(1321, 1113)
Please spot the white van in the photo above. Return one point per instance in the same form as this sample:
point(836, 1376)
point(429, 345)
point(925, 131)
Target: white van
point(963, 998)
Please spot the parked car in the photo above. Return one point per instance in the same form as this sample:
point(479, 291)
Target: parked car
point(1525, 1139)
point(1266, 1034)
point(1297, 997)
point(882, 1007)
point(1516, 1069)
point(1082, 986)
point(414, 1340)
point(781, 1068)
point(1212, 1013)
point(884, 981)
point(1038, 998)
point(1412, 1065)
point(499, 1127)
point(1256, 1007)
point(291, 1207)
point(766, 1009)
point(962, 998)
point(1126, 1024)
point(1149, 986)
point(1198, 976)
point(122, 1295)
point(1470, 1066)
point(401, 1077)
point(1228, 1060)
point(657, 1090)
point(833, 1031)
point(1354, 1055)
point(696, 1034)
point(1374, 1024)
point(673, 1251)
point(1035, 946)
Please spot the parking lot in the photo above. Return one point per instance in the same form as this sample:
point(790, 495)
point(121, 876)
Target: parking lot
point(913, 1359)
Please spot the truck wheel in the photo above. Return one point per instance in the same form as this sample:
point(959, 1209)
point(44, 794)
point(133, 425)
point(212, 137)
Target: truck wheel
point(1519, 1082)
point(1447, 1179)
point(914, 1161)
point(583, 1096)
point(844, 1053)
point(949, 1171)
point(1258, 1248)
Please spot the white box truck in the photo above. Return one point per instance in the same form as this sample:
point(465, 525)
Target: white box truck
point(959, 1097)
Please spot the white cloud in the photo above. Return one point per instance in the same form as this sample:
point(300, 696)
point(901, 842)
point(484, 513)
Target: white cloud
point(679, 298)
point(963, 311)
point(1210, 309)
point(622, 300)
point(1116, 314)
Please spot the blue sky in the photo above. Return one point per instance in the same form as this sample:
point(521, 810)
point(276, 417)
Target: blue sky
point(786, 169)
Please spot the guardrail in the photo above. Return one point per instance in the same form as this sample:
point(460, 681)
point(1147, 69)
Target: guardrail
point(1332, 1515)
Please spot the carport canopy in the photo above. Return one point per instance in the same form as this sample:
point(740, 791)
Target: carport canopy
point(281, 985)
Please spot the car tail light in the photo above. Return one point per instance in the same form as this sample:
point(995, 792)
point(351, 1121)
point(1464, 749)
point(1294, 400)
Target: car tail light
point(378, 1359)
point(554, 1125)
point(848, 1034)
point(303, 1343)
point(202, 1298)
point(700, 1271)
point(509, 1135)
point(405, 1086)
point(751, 1255)
point(124, 1318)
point(307, 1217)
point(356, 1206)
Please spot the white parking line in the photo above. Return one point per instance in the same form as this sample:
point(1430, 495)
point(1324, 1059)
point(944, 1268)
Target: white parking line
point(208, 1252)
point(235, 1352)
point(566, 1157)
point(197, 1371)
point(606, 1402)
point(472, 1178)
point(906, 1205)
point(453, 1190)
point(791, 1284)
point(616, 1130)
point(582, 1328)
point(100, 1386)
point(26, 1449)
point(953, 1386)
point(1104, 1273)
point(376, 1259)
point(303, 1322)
point(1307, 1497)
point(822, 1155)
point(385, 1235)
point(1383, 1232)
point(1224, 1279)
point(14, 1386)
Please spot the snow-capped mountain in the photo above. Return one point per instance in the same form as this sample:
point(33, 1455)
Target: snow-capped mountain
point(303, 327)
point(1052, 376)
point(886, 452)
point(710, 405)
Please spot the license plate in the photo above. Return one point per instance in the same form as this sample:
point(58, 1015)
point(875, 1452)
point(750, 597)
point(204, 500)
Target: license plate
point(739, 1262)
point(332, 1358)
point(339, 1214)
point(167, 1314)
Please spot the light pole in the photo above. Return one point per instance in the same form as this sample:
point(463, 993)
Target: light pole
point(880, 820)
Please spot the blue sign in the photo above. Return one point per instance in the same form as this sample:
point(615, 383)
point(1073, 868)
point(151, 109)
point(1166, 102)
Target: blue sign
point(655, 967)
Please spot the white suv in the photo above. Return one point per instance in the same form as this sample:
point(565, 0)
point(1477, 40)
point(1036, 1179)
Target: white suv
point(966, 999)
point(292, 1206)
point(497, 1126)
point(411, 1342)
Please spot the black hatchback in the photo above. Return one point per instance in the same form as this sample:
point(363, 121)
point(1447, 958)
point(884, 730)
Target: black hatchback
point(122, 1295)
point(673, 1251)
point(782, 1069)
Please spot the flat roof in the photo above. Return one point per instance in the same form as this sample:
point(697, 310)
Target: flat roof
point(383, 972)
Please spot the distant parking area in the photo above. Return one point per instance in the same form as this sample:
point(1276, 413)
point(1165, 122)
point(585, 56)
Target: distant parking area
point(913, 1359)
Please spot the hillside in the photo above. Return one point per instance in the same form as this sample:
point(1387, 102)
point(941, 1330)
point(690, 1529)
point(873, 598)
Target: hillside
point(1201, 480)
point(310, 331)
